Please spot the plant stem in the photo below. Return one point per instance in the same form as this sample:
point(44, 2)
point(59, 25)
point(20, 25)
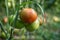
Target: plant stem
point(41, 10)
point(6, 3)
point(7, 12)
point(11, 34)
point(13, 4)
point(1, 25)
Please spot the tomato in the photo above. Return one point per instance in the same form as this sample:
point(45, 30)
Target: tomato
point(33, 26)
point(56, 19)
point(3, 35)
point(28, 15)
point(5, 20)
point(9, 4)
point(41, 21)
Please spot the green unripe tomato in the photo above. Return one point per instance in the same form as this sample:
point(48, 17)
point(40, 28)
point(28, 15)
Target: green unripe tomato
point(33, 26)
point(9, 4)
point(3, 35)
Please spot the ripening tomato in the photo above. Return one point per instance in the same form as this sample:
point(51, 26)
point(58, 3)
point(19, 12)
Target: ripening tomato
point(41, 21)
point(28, 15)
point(33, 26)
point(5, 20)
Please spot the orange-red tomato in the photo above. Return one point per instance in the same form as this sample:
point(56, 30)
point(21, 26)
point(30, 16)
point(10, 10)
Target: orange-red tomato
point(28, 15)
point(5, 19)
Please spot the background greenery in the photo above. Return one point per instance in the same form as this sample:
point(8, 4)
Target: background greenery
point(47, 31)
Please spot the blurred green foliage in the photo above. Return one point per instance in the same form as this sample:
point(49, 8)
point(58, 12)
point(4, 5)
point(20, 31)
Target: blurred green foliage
point(47, 31)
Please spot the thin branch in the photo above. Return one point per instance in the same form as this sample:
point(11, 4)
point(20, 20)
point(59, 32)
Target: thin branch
point(1, 25)
point(11, 34)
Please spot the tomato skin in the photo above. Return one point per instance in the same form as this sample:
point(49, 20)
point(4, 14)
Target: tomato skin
point(41, 21)
point(28, 15)
point(56, 19)
point(33, 26)
point(3, 35)
point(5, 19)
